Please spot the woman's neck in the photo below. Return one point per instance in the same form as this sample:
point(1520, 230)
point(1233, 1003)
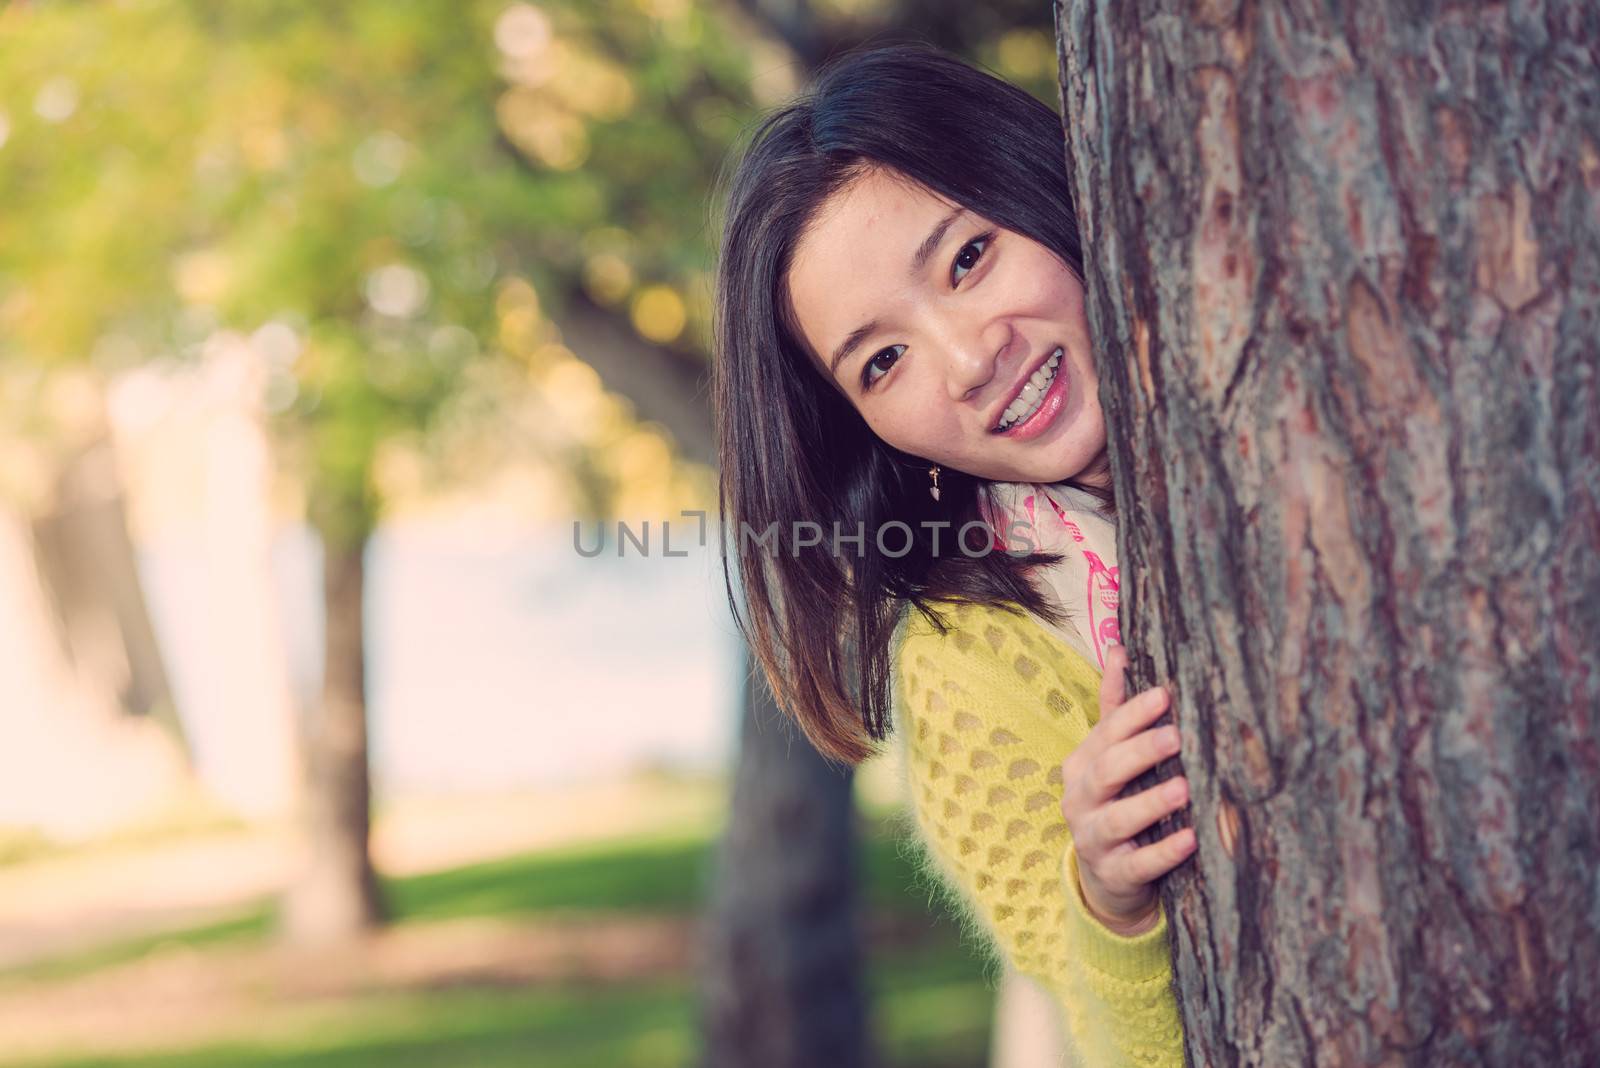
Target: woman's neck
point(1097, 474)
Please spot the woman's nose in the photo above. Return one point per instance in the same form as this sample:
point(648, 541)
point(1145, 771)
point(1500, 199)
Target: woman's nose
point(973, 360)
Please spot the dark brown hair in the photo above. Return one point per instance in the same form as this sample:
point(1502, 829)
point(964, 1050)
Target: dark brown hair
point(793, 450)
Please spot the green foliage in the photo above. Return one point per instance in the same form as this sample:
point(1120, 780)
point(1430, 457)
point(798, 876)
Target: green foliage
point(363, 176)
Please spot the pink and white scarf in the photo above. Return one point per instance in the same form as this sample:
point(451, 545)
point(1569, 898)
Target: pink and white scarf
point(1060, 519)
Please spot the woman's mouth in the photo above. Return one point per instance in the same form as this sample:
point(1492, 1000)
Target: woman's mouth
point(1038, 402)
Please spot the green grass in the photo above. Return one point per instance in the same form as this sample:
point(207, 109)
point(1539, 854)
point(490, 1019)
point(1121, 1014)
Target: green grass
point(640, 1024)
point(931, 1002)
point(931, 1009)
point(656, 873)
point(196, 816)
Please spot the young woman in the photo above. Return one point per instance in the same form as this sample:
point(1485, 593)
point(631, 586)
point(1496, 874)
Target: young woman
point(904, 381)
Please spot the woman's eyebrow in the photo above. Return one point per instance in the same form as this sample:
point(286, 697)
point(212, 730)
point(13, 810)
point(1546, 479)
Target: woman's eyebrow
point(919, 260)
point(931, 244)
point(848, 345)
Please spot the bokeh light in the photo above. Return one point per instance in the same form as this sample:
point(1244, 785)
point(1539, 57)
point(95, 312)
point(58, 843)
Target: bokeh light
point(397, 289)
point(658, 313)
point(57, 100)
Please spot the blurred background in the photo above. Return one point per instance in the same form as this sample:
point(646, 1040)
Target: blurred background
point(334, 339)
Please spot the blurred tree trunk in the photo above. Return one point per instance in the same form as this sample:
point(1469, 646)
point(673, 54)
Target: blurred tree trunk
point(87, 564)
point(816, 32)
point(782, 981)
point(1344, 276)
point(664, 384)
point(782, 970)
point(336, 894)
point(795, 23)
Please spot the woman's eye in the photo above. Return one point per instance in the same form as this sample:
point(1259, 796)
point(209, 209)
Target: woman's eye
point(968, 257)
point(880, 363)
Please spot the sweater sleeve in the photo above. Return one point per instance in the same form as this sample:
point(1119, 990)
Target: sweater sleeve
point(988, 710)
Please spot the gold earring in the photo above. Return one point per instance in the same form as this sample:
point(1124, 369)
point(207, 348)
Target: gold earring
point(933, 473)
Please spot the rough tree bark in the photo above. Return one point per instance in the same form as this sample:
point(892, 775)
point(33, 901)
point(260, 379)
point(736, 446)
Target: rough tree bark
point(783, 986)
point(1344, 273)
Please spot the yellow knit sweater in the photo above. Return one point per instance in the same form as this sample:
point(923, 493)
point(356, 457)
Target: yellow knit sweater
point(986, 712)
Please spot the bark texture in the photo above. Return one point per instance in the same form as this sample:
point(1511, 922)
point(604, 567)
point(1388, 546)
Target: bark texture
point(1344, 274)
point(782, 977)
point(336, 894)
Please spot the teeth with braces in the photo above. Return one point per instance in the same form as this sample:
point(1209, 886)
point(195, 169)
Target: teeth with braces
point(1027, 402)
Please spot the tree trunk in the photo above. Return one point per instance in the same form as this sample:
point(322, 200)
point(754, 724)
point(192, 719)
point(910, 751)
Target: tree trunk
point(663, 384)
point(87, 563)
point(336, 895)
point(1344, 270)
point(782, 973)
point(782, 984)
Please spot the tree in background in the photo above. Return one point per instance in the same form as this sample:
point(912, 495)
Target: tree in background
point(444, 234)
point(382, 205)
point(61, 476)
point(1344, 270)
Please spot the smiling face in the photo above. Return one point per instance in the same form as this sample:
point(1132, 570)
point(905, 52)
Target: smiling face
point(957, 340)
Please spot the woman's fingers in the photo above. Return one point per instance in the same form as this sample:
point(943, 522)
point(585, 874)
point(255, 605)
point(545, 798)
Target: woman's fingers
point(1118, 749)
point(1126, 760)
point(1135, 867)
point(1124, 819)
point(1132, 716)
point(1122, 746)
point(1113, 681)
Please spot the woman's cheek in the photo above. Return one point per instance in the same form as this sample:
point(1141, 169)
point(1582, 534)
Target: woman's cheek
point(921, 426)
point(889, 422)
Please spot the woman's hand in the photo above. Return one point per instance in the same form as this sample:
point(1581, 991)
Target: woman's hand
point(1117, 874)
